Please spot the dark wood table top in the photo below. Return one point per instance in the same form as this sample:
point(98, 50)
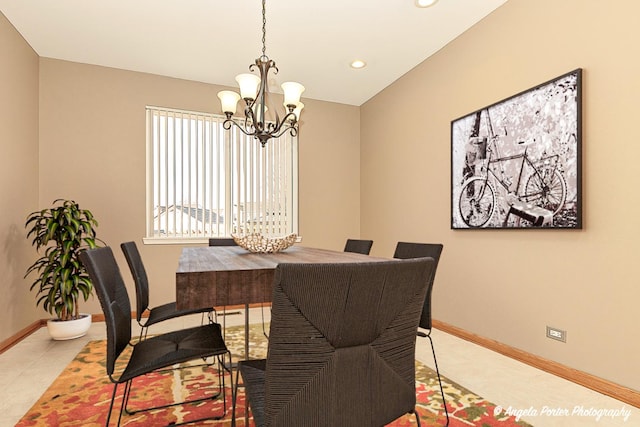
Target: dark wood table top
point(230, 275)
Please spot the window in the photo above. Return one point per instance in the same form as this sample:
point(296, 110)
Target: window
point(204, 181)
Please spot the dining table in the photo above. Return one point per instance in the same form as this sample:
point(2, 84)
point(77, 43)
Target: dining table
point(218, 276)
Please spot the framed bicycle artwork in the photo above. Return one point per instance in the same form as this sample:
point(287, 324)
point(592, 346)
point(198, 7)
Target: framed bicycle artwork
point(517, 163)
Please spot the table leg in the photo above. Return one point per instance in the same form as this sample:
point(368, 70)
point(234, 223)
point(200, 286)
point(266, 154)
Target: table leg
point(246, 331)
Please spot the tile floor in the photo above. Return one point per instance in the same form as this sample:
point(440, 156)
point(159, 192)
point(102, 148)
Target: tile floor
point(28, 368)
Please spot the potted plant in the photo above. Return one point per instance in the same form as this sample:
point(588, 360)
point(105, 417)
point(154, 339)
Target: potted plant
point(64, 230)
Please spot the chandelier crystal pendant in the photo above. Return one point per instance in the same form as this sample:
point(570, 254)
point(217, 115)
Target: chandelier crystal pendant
point(254, 91)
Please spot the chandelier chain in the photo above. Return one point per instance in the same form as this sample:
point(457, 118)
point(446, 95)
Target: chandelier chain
point(264, 28)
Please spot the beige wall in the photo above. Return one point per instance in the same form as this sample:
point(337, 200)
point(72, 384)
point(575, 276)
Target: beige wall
point(508, 285)
point(92, 149)
point(18, 175)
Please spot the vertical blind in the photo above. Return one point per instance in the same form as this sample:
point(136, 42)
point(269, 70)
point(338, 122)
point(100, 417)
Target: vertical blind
point(205, 181)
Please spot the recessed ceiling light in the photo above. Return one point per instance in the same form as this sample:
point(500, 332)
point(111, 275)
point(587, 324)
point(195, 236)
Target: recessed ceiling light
point(358, 64)
point(425, 3)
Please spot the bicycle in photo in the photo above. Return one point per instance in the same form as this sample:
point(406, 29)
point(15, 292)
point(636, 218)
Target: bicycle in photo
point(536, 192)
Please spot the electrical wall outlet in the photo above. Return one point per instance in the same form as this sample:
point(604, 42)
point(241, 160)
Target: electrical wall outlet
point(556, 334)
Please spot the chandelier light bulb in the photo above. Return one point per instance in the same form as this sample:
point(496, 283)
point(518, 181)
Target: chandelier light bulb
point(249, 84)
point(229, 100)
point(292, 93)
point(425, 3)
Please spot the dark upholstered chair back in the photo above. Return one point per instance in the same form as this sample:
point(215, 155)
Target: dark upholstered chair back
point(139, 274)
point(406, 250)
point(358, 246)
point(222, 241)
point(112, 293)
point(342, 342)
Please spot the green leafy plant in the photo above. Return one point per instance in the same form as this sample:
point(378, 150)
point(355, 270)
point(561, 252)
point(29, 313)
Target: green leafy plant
point(64, 230)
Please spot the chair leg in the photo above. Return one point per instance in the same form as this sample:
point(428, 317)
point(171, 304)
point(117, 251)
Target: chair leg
point(224, 398)
point(125, 398)
point(221, 390)
point(444, 401)
point(234, 392)
point(234, 396)
point(143, 333)
point(235, 399)
point(113, 398)
point(417, 418)
point(264, 332)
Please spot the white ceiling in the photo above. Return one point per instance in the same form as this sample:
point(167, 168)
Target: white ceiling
point(212, 41)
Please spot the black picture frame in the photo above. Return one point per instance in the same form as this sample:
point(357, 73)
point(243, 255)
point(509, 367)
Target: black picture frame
point(516, 164)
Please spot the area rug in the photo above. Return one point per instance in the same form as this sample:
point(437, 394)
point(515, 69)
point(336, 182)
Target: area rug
point(80, 396)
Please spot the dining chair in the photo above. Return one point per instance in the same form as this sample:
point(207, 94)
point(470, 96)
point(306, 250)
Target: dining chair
point(159, 313)
point(408, 250)
point(358, 246)
point(342, 341)
point(154, 353)
point(222, 241)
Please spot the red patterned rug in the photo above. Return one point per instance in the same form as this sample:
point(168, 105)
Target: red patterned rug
point(80, 396)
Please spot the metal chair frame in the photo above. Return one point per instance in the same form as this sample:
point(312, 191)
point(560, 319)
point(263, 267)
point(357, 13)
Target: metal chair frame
point(408, 250)
point(153, 354)
point(159, 313)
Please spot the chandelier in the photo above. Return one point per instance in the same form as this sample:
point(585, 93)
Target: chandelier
point(254, 91)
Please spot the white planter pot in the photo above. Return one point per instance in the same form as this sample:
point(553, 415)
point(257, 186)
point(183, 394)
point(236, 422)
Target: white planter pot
point(69, 329)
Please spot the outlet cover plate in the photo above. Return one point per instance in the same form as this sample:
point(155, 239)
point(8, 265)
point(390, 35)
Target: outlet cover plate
point(556, 334)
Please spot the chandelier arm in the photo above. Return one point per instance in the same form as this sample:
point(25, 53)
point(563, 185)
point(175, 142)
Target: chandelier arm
point(291, 117)
point(229, 123)
point(274, 127)
point(249, 122)
point(289, 128)
point(285, 125)
point(249, 114)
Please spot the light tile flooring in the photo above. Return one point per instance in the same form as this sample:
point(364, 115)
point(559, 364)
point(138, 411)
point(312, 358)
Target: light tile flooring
point(27, 369)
